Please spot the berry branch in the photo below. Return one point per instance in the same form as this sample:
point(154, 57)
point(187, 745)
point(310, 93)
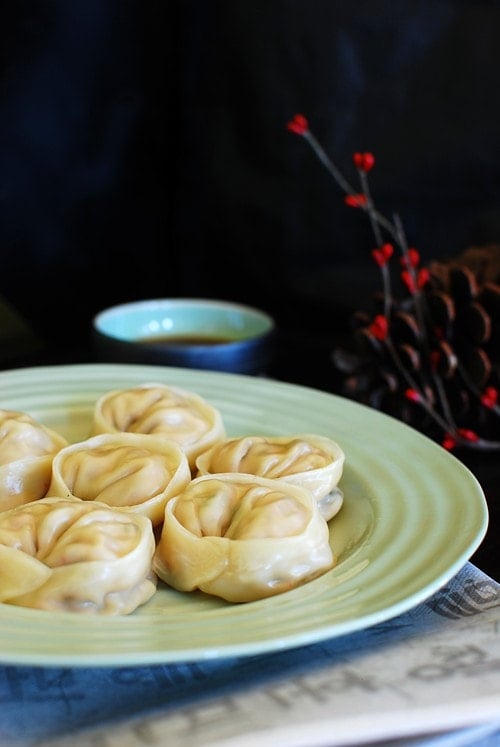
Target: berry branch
point(426, 363)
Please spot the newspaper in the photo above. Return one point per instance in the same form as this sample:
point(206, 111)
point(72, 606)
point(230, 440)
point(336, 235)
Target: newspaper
point(428, 674)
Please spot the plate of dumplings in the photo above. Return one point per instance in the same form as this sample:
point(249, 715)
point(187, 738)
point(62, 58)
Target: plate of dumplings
point(152, 514)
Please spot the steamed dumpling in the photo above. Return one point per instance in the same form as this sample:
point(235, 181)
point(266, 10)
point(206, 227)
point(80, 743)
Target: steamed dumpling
point(69, 555)
point(26, 451)
point(242, 538)
point(171, 412)
point(312, 461)
point(132, 471)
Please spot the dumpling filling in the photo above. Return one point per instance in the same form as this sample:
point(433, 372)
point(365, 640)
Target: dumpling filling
point(26, 452)
point(311, 461)
point(242, 538)
point(133, 471)
point(69, 555)
point(174, 413)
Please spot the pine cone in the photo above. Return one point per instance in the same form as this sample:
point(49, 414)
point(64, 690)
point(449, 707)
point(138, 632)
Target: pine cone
point(456, 357)
point(471, 282)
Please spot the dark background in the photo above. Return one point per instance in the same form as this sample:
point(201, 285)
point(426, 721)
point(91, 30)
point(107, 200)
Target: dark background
point(144, 153)
point(143, 149)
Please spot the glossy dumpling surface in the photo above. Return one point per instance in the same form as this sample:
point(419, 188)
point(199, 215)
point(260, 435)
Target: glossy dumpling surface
point(311, 461)
point(242, 538)
point(69, 555)
point(27, 448)
point(175, 413)
point(133, 471)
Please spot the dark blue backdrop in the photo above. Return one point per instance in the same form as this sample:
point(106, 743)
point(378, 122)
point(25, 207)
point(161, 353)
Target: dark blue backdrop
point(143, 149)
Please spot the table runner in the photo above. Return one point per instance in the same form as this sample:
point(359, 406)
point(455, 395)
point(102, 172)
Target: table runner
point(432, 670)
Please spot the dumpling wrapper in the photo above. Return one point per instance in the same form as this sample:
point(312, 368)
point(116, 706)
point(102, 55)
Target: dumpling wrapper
point(132, 471)
point(172, 412)
point(242, 538)
point(68, 555)
point(309, 460)
point(26, 451)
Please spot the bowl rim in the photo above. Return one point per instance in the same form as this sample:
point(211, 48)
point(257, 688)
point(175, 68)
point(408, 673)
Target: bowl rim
point(175, 303)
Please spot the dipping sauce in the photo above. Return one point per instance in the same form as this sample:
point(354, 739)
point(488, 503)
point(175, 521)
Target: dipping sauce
point(184, 340)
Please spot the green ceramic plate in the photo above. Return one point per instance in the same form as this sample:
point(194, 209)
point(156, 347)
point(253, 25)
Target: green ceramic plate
point(412, 516)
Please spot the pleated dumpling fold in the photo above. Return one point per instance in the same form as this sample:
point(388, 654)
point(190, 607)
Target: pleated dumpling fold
point(68, 555)
point(172, 412)
point(26, 451)
point(242, 538)
point(132, 471)
point(309, 460)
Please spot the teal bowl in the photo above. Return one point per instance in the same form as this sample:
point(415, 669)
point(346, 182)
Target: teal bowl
point(186, 332)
